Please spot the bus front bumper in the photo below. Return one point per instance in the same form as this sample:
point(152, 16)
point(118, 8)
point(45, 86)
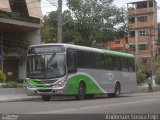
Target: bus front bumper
point(45, 91)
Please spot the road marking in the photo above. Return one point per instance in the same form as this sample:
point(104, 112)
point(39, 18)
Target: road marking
point(93, 107)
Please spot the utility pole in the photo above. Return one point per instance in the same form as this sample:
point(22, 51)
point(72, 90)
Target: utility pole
point(59, 29)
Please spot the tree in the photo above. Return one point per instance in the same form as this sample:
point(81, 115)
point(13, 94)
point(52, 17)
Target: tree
point(49, 29)
point(87, 22)
point(96, 19)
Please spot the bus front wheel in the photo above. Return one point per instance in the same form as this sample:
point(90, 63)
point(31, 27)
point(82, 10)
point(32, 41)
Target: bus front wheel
point(81, 91)
point(46, 98)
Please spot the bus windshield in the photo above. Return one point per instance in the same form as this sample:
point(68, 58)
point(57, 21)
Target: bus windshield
point(46, 66)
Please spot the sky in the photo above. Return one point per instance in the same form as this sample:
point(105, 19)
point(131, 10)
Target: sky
point(47, 7)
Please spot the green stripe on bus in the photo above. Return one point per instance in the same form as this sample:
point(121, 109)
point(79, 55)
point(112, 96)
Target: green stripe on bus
point(37, 84)
point(115, 53)
point(73, 82)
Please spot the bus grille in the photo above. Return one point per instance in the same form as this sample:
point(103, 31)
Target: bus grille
point(44, 90)
point(48, 81)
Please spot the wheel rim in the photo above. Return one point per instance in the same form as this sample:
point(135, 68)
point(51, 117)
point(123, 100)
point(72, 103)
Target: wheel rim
point(81, 91)
point(117, 90)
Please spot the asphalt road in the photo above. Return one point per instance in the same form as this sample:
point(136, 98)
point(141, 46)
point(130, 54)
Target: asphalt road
point(127, 103)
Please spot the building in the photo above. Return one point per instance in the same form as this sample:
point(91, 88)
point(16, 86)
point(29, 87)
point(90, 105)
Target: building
point(142, 34)
point(118, 44)
point(20, 20)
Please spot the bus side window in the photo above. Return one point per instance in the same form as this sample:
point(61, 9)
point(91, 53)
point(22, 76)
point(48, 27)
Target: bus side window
point(99, 61)
point(117, 63)
point(131, 65)
point(124, 63)
point(71, 61)
point(108, 62)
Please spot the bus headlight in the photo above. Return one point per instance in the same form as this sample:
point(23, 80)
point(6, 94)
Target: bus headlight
point(60, 84)
point(29, 85)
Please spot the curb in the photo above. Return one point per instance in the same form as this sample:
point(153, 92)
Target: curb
point(19, 94)
point(144, 89)
point(20, 99)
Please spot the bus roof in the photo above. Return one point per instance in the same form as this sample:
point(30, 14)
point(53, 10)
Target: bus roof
point(109, 52)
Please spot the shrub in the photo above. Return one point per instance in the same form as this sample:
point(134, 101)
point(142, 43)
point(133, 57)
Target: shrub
point(157, 79)
point(12, 85)
point(141, 78)
point(2, 77)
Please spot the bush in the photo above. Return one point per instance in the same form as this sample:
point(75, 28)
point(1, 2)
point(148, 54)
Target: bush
point(141, 78)
point(2, 77)
point(157, 79)
point(12, 85)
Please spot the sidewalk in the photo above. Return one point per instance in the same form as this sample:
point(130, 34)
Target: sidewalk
point(19, 94)
point(15, 94)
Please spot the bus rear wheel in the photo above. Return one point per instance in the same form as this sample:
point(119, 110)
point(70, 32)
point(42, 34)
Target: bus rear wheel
point(81, 91)
point(46, 98)
point(117, 91)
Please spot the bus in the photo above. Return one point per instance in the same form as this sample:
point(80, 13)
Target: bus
point(64, 69)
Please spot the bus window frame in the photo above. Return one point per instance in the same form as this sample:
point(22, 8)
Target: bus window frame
point(71, 59)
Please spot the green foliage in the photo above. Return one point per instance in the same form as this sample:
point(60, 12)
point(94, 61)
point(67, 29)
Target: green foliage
point(157, 79)
point(12, 85)
point(91, 20)
point(2, 77)
point(18, 46)
point(141, 78)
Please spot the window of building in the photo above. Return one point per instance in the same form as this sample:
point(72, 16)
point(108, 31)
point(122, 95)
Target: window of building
point(132, 20)
point(142, 33)
point(19, 6)
point(142, 47)
point(142, 19)
point(132, 34)
point(150, 3)
point(117, 41)
point(142, 4)
point(132, 47)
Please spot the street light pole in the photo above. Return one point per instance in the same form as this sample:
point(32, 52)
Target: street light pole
point(59, 29)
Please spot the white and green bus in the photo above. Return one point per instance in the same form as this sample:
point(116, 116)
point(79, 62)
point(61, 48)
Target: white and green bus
point(72, 70)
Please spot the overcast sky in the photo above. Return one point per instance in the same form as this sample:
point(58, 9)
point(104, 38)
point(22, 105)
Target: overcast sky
point(47, 7)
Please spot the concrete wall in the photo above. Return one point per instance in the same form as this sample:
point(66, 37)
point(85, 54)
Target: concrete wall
point(35, 38)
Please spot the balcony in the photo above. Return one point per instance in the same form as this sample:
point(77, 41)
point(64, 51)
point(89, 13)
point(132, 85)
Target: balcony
point(141, 25)
point(141, 52)
point(18, 17)
point(132, 11)
point(139, 39)
point(15, 23)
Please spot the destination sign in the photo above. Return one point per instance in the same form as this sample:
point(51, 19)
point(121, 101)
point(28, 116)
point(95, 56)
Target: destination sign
point(45, 49)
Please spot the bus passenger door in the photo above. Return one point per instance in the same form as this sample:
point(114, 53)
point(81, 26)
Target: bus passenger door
point(71, 61)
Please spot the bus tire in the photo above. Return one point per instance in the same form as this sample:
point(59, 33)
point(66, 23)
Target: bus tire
point(81, 91)
point(46, 98)
point(117, 91)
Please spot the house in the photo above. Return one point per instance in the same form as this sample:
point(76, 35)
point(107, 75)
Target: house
point(20, 22)
point(142, 30)
point(118, 44)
